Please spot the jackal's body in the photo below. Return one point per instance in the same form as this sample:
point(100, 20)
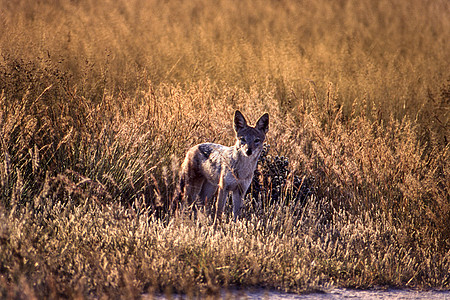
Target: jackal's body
point(210, 167)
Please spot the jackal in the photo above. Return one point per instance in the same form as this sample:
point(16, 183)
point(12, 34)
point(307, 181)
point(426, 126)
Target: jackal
point(210, 167)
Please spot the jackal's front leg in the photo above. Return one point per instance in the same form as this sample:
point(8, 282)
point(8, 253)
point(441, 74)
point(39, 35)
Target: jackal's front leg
point(220, 205)
point(237, 203)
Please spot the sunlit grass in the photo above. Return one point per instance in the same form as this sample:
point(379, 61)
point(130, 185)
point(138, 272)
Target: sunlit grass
point(100, 101)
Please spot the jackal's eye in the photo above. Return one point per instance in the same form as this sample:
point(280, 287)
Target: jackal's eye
point(257, 141)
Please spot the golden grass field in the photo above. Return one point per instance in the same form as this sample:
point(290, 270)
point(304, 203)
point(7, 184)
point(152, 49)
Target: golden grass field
point(101, 99)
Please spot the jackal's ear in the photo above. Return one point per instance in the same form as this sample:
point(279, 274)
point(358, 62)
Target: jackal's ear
point(239, 121)
point(263, 123)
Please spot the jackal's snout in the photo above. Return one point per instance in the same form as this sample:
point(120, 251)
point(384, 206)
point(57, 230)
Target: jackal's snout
point(251, 148)
point(247, 149)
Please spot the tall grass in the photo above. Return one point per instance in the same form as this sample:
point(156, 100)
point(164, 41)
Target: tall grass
point(393, 54)
point(100, 101)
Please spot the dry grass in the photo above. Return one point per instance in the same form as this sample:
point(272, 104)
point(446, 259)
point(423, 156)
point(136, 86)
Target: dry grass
point(101, 100)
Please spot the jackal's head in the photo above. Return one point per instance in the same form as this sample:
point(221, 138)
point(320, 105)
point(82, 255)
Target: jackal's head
point(250, 139)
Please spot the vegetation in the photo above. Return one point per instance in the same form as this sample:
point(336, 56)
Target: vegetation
point(101, 99)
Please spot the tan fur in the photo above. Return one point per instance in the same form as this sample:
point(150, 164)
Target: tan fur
point(209, 167)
